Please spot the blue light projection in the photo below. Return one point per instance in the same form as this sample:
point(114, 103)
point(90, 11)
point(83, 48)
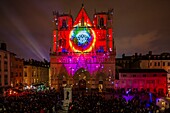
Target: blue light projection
point(81, 38)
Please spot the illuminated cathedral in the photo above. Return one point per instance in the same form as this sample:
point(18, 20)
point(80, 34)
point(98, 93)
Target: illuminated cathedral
point(83, 51)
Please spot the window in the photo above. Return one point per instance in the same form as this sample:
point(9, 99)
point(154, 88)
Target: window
point(154, 75)
point(6, 79)
point(163, 63)
point(11, 74)
point(0, 81)
point(101, 22)
point(25, 74)
point(64, 23)
point(134, 75)
point(158, 63)
point(124, 75)
point(168, 63)
point(62, 42)
point(11, 64)
point(155, 64)
point(5, 56)
point(100, 82)
point(0, 66)
point(5, 66)
point(64, 82)
point(163, 74)
point(151, 64)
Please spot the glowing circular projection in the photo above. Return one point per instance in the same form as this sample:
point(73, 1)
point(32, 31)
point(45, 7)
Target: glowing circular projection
point(82, 39)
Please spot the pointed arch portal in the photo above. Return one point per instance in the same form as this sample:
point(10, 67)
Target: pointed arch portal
point(81, 77)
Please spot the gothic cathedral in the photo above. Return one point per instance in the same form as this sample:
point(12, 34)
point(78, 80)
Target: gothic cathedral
point(83, 51)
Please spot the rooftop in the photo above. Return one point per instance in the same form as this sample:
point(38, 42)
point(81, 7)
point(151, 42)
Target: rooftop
point(142, 71)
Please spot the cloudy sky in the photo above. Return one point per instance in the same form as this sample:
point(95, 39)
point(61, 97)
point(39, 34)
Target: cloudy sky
point(139, 25)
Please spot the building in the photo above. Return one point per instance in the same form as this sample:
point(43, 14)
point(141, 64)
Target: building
point(35, 72)
point(4, 67)
point(151, 80)
point(148, 61)
point(83, 51)
point(129, 62)
point(17, 65)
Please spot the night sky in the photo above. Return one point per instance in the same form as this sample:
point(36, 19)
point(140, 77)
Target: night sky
point(139, 25)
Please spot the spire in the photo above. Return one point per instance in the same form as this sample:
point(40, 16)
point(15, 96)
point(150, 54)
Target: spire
point(94, 11)
point(70, 12)
point(82, 5)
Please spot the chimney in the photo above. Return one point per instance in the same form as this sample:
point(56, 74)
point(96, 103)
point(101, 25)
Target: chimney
point(3, 46)
point(150, 52)
point(123, 55)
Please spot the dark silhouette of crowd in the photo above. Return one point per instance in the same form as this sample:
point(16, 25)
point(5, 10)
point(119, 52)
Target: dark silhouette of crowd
point(115, 102)
point(50, 101)
point(37, 102)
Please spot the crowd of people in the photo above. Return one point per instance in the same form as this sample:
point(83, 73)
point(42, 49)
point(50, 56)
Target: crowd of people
point(37, 102)
point(116, 104)
point(50, 101)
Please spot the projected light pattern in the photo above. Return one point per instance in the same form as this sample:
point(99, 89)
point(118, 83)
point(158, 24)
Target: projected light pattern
point(82, 39)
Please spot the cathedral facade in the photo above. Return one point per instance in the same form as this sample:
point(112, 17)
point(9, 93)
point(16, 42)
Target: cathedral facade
point(83, 51)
